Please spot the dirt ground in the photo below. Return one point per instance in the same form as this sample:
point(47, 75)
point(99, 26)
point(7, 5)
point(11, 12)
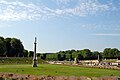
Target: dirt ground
point(11, 76)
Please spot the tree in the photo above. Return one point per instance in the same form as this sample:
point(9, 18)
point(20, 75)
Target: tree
point(30, 54)
point(2, 46)
point(110, 53)
point(62, 55)
point(115, 53)
point(25, 53)
point(49, 56)
point(95, 55)
point(86, 53)
point(118, 55)
point(43, 56)
point(69, 56)
point(105, 53)
point(2, 38)
point(56, 56)
point(8, 45)
point(16, 47)
point(79, 56)
point(59, 57)
point(38, 54)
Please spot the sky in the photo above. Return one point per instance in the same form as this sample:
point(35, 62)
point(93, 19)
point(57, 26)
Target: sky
point(62, 24)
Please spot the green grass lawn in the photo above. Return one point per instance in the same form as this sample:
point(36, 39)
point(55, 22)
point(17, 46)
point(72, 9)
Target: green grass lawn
point(58, 70)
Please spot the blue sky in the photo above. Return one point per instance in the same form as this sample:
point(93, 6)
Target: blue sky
point(62, 24)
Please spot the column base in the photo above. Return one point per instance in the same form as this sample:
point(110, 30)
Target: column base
point(34, 63)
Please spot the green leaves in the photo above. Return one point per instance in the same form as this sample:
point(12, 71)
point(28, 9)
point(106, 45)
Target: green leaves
point(2, 46)
point(110, 53)
point(11, 47)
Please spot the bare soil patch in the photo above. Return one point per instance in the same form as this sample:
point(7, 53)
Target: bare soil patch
point(11, 76)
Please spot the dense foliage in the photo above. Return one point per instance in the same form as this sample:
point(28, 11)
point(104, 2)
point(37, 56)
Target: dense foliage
point(84, 54)
point(12, 47)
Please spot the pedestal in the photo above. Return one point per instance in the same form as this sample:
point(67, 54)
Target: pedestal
point(34, 63)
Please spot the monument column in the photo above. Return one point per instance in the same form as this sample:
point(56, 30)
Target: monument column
point(34, 57)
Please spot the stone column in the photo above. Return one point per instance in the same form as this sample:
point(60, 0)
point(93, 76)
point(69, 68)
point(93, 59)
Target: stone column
point(34, 58)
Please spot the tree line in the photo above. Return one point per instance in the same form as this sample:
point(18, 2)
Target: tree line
point(13, 47)
point(85, 54)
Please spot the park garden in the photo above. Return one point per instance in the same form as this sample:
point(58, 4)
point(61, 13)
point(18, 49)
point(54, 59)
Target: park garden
point(16, 63)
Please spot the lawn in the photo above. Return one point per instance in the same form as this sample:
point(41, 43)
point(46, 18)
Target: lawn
point(58, 70)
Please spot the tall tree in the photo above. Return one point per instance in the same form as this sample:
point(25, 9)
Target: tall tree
point(79, 56)
point(110, 53)
point(106, 53)
point(2, 46)
point(17, 47)
point(63, 55)
point(115, 53)
point(8, 45)
point(95, 55)
point(86, 53)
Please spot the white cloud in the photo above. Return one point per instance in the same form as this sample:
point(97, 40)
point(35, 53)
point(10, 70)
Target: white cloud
point(106, 34)
point(62, 1)
point(18, 10)
point(90, 7)
point(105, 27)
point(83, 8)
